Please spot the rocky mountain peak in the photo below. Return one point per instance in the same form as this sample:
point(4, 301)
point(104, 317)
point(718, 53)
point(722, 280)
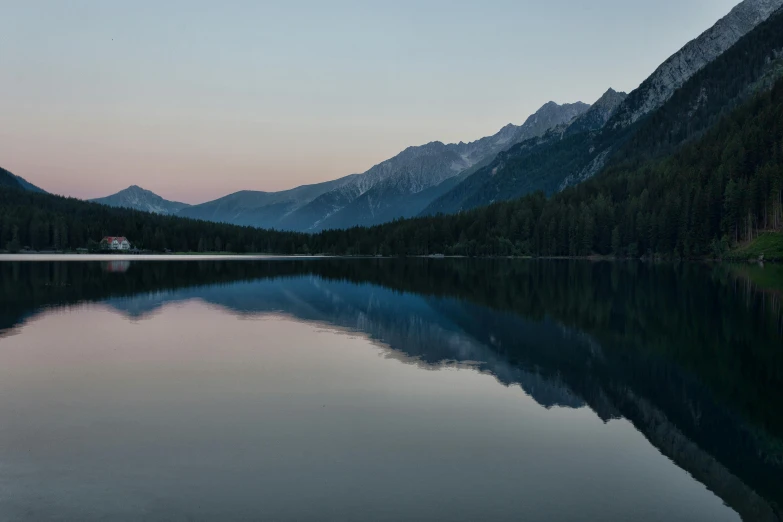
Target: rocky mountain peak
point(696, 54)
point(610, 98)
point(138, 198)
point(599, 113)
point(135, 189)
point(551, 115)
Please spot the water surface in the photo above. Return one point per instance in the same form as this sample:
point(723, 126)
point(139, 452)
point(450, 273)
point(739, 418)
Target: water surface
point(388, 390)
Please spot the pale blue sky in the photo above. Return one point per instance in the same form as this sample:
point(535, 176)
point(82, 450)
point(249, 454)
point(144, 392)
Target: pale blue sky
point(197, 99)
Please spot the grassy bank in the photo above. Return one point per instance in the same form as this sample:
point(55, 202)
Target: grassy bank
point(768, 244)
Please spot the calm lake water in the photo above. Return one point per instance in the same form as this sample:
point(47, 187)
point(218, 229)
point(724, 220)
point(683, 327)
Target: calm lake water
point(389, 390)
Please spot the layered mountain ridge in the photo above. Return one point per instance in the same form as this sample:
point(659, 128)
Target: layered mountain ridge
point(399, 187)
point(405, 184)
point(262, 209)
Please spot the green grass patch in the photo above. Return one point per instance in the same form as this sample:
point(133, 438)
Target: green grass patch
point(770, 244)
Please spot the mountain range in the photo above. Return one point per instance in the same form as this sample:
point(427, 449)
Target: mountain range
point(557, 147)
point(564, 157)
point(396, 188)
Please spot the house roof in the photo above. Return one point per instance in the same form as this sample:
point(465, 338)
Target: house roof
point(119, 239)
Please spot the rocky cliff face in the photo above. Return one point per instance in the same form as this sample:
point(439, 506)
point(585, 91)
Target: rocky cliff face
point(675, 71)
point(137, 198)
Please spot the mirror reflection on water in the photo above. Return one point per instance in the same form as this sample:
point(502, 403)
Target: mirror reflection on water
point(390, 390)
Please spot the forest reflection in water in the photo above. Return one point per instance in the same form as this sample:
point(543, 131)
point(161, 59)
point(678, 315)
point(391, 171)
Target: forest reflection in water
point(691, 355)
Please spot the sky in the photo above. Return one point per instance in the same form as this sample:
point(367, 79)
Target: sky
point(197, 99)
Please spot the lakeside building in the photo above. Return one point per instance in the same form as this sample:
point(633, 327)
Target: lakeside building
point(117, 243)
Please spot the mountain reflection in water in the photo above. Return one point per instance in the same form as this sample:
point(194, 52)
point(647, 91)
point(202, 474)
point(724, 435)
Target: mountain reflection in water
point(691, 355)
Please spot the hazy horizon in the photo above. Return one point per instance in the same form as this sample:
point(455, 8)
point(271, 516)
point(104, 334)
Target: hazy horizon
point(194, 101)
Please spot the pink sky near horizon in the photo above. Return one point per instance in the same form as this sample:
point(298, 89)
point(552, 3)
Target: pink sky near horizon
point(195, 101)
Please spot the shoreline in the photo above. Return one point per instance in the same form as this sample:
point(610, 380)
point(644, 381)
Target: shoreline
point(147, 257)
point(63, 256)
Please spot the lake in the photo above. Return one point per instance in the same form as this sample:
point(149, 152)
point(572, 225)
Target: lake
point(388, 390)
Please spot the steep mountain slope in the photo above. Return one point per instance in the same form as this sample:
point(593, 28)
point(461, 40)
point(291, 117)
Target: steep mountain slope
point(387, 201)
point(675, 71)
point(753, 64)
point(261, 209)
point(400, 186)
point(27, 185)
point(562, 157)
point(9, 179)
point(383, 188)
point(137, 198)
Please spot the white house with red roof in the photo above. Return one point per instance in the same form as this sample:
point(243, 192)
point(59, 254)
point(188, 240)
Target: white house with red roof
point(117, 242)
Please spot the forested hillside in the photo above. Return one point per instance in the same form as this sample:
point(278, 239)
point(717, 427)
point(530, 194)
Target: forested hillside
point(8, 180)
point(717, 191)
